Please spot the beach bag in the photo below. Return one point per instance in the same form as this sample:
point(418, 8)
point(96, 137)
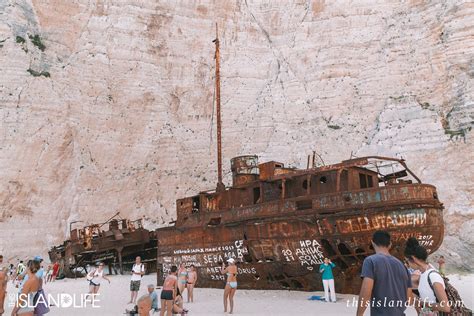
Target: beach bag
point(90, 275)
point(41, 307)
point(454, 299)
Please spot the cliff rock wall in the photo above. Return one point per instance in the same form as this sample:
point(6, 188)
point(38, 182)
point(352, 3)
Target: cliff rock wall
point(107, 105)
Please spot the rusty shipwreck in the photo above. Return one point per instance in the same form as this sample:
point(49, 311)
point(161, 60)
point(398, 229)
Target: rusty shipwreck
point(279, 223)
point(116, 242)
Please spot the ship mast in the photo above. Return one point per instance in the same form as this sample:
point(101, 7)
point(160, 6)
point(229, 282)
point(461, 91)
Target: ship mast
point(220, 186)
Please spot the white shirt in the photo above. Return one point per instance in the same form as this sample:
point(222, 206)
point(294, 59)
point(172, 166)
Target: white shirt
point(97, 276)
point(424, 287)
point(137, 268)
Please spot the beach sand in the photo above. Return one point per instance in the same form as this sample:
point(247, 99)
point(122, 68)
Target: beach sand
point(114, 297)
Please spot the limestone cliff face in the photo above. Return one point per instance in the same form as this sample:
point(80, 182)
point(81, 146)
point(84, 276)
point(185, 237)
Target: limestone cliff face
point(107, 105)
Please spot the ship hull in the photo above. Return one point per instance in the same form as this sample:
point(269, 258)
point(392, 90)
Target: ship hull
point(285, 252)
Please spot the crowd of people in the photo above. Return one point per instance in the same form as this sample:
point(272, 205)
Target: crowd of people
point(28, 279)
point(178, 280)
point(388, 287)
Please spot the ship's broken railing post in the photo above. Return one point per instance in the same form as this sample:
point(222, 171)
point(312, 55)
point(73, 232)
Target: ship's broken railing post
point(308, 184)
point(338, 180)
point(119, 255)
point(283, 188)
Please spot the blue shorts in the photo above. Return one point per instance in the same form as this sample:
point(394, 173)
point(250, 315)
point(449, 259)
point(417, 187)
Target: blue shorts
point(233, 284)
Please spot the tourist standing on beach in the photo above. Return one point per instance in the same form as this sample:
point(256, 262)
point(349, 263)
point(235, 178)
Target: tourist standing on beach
point(431, 287)
point(192, 279)
point(94, 277)
point(386, 284)
point(49, 273)
point(24, 305)
point(55, 271)
point(39, 274)
point(3, 285)
point(231, 284)
point(441, 266)
point(42, 306)
point(328, 279)
point(20, 270)
point(11, 271)
point(138, 270)
point(182, 277)
point(168, 293)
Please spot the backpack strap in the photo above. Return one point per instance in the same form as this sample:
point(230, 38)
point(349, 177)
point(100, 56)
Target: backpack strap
point(431, 284)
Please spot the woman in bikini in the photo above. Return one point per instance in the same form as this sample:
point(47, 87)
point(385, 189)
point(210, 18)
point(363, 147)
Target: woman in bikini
point(94, 277)
point(192, 279)
point(25, 303)
point(231, 284)
point(182, 277)
point(168, 293)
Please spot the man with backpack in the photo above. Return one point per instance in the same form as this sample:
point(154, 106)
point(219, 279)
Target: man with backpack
point(138, 270)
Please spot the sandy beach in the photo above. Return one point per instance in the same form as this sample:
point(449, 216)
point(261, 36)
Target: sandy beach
point(114, 297)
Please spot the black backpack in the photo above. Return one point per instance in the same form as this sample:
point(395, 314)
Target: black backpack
point(455, 301)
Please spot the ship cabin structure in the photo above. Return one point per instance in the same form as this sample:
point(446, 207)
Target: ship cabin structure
point(256, 185)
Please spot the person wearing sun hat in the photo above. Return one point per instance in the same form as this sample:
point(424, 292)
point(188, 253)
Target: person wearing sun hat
point(231, 284)
point(40, 273)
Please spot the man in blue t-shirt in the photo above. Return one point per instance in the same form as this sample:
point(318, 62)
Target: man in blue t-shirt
point(386, 284)
point(328, 279)
point(154, 298)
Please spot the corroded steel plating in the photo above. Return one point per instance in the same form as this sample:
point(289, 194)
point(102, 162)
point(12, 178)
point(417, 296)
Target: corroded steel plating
point(279, 223)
